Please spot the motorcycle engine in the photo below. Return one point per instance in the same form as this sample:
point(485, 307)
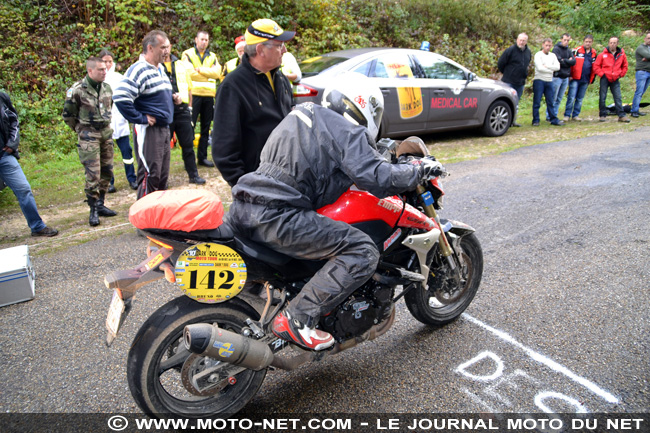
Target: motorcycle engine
point(366, 307)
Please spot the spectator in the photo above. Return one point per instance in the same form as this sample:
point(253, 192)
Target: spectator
point(144, 97)
point(251, 101)
point(179, 75)
point(611, 66)
point(545, 64)
point(582, 75)
point(119, 124)
point(87, 111)
point(642, 76)
point(207, 71)
point(240, 44)
point(561, 78)
point(513, 64)
point(10, 171)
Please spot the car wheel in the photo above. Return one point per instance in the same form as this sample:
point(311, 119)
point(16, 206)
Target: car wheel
point(497, 119)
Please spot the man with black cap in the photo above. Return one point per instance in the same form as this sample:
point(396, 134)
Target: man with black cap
point(251, 101)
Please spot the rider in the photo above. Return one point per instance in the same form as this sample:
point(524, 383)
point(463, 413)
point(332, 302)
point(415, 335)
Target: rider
point(312, 157)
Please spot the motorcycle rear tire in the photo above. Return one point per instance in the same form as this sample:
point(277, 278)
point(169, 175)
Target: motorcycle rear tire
point(423, 304)
point(154, 343)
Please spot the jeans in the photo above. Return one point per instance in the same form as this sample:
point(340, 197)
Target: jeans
point(519, 90)
point(543, 88)
point(642, 83)
point(616, 93)
point(559, 87)
point(12, 174)
point(574, 98)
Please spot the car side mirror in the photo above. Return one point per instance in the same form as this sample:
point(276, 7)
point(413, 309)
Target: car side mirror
point(471, 76)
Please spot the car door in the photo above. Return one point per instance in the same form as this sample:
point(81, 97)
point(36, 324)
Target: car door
point(404, 108)
point(454, 101)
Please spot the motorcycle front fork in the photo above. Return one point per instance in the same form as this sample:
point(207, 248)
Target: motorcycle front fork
point(445, 248)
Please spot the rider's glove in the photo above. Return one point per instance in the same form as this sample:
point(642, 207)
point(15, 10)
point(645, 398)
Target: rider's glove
point(429, 167)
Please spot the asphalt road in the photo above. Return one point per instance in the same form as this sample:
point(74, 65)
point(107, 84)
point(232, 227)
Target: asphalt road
point(561, 322)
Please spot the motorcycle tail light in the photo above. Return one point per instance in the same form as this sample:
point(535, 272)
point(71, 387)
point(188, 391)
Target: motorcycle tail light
point(159, 243)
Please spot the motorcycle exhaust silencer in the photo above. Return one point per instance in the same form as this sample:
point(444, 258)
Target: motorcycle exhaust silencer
point(210, 340)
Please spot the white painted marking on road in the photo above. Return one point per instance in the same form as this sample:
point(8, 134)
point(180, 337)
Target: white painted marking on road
point(497, 373)
point(539, 401)
point(545, 360)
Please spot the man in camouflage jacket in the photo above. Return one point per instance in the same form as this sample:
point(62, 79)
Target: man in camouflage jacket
point(87, 111)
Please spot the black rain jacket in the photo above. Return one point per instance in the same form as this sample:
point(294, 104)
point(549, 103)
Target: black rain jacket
point(314, 156)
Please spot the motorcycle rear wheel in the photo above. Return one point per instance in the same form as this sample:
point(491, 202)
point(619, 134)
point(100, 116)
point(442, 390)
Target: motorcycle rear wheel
point(155, 378)
point(425, 305)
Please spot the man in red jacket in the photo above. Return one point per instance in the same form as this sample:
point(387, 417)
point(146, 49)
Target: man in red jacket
point(611, 66)
point(582, 75)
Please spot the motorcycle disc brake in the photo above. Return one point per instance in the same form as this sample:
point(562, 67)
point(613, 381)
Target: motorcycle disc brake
point(451, 289)
point(196, 378)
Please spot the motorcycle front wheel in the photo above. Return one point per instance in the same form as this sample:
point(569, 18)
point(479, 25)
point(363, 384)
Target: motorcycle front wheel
point(445, 300)
point(160, 370)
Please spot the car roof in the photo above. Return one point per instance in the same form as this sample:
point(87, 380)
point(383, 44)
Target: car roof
point(359, 55)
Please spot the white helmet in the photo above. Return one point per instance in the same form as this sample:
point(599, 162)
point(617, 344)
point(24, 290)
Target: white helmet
point(357, 100)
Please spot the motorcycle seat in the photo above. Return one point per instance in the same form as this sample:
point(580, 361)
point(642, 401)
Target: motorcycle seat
point(261, 252)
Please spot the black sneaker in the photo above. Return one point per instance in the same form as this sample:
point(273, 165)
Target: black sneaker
point(634, 114)
point(206, 163)
point(133, 185)
point(46, 232)
point(112, 189)
point(197, 180)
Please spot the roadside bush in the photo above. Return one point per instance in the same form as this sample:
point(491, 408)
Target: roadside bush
point(602, 18)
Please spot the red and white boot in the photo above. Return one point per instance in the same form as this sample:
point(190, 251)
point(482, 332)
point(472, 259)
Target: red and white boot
point(290, 329)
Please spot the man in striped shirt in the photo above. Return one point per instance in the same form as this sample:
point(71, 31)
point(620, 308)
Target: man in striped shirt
point(144, 97)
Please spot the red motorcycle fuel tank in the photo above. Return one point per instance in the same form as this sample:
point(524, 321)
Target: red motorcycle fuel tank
point(360, 206)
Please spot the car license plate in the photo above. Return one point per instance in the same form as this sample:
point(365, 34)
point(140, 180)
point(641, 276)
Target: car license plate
point(115, 314)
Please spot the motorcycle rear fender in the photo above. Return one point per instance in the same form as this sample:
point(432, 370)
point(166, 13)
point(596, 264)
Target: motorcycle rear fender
point(128, 281)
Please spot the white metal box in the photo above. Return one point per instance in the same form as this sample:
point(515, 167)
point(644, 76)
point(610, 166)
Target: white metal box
point(16, 275)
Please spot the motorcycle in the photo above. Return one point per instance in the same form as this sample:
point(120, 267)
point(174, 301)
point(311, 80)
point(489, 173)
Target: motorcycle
point(207, 353)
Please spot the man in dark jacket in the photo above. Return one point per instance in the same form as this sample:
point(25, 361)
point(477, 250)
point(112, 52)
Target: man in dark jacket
point(611, 66)
point(312, 157)
point(513, 63)
point(561, 78)
point(251, 101)
point(10, 171)
point(582, 75)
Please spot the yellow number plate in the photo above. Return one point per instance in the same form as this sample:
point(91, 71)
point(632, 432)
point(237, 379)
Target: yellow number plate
point(210, 272)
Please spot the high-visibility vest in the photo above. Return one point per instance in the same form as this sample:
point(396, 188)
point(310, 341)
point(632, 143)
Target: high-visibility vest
point(183, 80)
point(232, 64)
point(179, 72)
point(203, 84)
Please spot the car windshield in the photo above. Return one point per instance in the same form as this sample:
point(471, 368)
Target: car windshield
point(316, 65)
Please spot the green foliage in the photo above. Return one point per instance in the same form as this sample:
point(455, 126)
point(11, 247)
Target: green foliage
point(46, 42)
point(602, 18)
